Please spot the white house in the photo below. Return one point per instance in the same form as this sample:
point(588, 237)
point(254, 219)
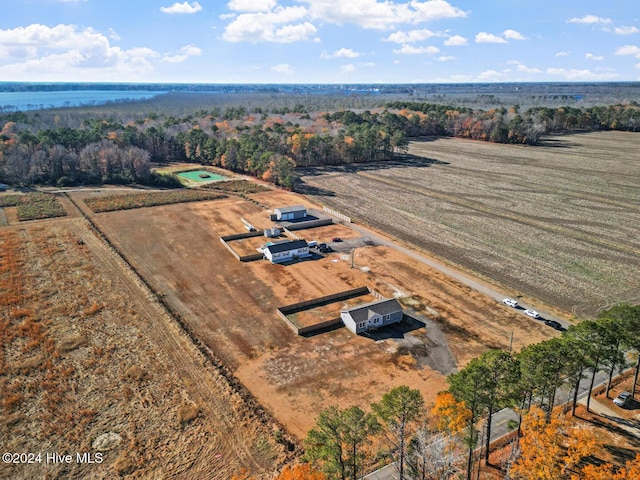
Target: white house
point(285, 251)
point(372, 315)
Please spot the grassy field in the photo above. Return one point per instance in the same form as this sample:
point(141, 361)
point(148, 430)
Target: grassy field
point(558, 222)
point(87, 355)
point(127, 201)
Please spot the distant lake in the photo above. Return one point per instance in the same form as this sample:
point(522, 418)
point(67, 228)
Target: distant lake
point(12, 101)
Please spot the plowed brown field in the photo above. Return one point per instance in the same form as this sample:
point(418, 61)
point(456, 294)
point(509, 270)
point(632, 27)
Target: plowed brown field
point(558, 222)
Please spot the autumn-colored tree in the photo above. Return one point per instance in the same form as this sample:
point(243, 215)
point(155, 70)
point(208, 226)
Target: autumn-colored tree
point(593, 472)
point(607, 471)
point(451, 415)
point(549, 448)
point(301, 471)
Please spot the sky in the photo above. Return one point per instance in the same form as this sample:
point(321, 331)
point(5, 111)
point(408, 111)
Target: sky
point(320, 41)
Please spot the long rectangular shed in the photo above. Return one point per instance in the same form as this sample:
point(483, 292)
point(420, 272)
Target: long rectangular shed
point(372, 315)
point(290, 213)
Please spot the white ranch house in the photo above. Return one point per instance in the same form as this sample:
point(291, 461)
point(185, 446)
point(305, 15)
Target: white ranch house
point(372, 315)
point(285, 251)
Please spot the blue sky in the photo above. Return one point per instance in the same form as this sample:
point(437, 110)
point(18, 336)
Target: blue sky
point(320, 41)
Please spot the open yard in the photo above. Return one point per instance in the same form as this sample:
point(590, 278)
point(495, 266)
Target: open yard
point(231, 307)
point(558, 222)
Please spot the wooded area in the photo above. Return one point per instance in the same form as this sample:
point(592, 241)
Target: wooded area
point(266, 142)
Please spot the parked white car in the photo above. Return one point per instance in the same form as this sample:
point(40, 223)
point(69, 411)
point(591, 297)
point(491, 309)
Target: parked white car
point(511, 302)
point(532, 313)
point(622, 399)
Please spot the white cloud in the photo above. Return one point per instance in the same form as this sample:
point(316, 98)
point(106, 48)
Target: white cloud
point(626, 50)
point(524, 69)
point(410, 36)
point(446, 58)
point(625, 30)
point(484, 37)
point(284, 68)
point(348, 68)
point(562, 54)
point(251, 5)
point(410, 50)
point(113, 35)
point(381, 15)
point(275, 26)
point(513, 35)
point(183, 54)
point(489, 75)
point(591, 56)
point(341, 53)
point(577, 75)
point(185, 7)
point(589, 20)
point(455, 41)
point(69, 53)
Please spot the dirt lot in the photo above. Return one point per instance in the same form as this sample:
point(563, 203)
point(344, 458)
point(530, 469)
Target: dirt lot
point(231, 307)
point(85, 351)
point(557, 222)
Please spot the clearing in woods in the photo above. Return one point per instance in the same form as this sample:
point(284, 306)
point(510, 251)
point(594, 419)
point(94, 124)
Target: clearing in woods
point(231, 307)
point(558, 222)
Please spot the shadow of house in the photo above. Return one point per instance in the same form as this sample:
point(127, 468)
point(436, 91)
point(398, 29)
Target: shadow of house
point(396, 330)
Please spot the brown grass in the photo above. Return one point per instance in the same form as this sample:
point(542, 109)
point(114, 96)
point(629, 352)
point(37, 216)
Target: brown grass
point(557, 224)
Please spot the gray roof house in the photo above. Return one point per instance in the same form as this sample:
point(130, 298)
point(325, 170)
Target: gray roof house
point(290, 213)
point(285, 251)
point(372, 315)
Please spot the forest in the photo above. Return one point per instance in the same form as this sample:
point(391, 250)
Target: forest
point(267, 140)
point(445, 441)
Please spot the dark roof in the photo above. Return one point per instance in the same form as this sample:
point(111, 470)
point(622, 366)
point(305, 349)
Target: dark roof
point(294, 208)
point(286, 246)
point(379, 307)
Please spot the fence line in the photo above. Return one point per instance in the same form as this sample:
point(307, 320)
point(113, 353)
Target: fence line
point(337, 214)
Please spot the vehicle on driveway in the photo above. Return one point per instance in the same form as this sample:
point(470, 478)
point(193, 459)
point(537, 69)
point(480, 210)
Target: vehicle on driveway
point(532, 313)
point(554, 324)
point(510, 302)
point(623, 399)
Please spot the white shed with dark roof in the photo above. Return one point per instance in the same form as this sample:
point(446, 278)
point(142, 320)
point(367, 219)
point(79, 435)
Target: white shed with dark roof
point(285, 251)
point(372, 315)
point(294, 212)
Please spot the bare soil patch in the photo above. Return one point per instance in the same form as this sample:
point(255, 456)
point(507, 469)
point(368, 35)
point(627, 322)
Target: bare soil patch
point(231, 307)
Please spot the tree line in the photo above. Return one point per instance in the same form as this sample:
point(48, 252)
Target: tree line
point(269, 144)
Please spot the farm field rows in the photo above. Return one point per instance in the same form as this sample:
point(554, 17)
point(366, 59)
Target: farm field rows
point(231, 307)
point(85, 351)
point(558, 222)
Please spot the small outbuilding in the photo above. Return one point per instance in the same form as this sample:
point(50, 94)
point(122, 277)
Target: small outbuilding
point(285, 251)
point(372, 315)
point(290, 213)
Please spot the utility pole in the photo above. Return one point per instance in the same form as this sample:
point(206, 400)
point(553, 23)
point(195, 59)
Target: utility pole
point(353, 255)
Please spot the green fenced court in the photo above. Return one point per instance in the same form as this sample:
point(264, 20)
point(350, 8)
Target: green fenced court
point(201, 176)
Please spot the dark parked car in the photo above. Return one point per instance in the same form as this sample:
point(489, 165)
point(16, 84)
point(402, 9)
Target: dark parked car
point(554, 324)
point(336, 239)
